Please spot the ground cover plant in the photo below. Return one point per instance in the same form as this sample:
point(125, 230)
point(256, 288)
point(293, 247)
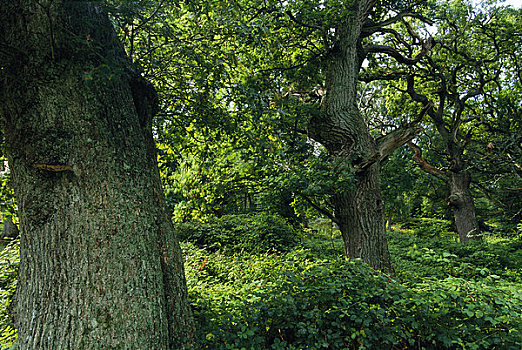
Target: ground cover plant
point(9, 260)
point(310, 297)
point(495, 259)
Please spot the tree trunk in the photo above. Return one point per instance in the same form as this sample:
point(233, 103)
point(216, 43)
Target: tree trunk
point(460, 199)
point(100, 265)
point(342, 130)
point(360, 215)
point(461, 202)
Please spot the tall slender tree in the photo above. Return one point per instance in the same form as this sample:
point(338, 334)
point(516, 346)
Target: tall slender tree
point(100, 264)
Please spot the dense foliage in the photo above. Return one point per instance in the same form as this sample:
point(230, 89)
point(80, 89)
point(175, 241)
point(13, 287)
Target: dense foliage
point(256, 233)
point(311, 297)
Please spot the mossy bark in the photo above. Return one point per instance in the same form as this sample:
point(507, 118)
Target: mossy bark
point(100, 267)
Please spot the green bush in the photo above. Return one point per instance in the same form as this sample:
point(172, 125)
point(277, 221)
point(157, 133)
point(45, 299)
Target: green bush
point(417, 258)
point(254, 233)
point(428, 227)
point(294, 301)
point(9, 260)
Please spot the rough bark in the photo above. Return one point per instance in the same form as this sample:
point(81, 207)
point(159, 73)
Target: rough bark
point(460, 198)
point(461, 202)
point(342, 130)
point(360, 216)
point(100, 265)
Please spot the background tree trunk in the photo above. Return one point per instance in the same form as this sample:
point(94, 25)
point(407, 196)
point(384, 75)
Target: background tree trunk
point(100, 265)
point(461, 202)
point(460, 199)
point(342, 130)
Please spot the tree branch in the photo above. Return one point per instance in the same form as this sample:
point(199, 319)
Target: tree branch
point(436, 116)
point(488, 195)
point(395, 139)
point(392, 52)
point(386, 77)
point(373, 27)
point(319, 208)
point(154, 13)
point(311, 26)
point(425, 166)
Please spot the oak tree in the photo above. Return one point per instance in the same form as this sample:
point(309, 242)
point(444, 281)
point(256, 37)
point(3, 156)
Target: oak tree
point(100, 264)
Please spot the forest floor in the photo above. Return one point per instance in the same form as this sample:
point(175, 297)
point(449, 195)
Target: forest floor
point(444, 295)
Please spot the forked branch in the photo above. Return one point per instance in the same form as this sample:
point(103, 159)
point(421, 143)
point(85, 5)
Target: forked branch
point(395, 139)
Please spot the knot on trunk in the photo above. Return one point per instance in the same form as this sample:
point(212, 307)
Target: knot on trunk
point(456, 199)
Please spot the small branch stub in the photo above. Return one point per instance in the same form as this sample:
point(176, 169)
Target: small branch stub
point(54, 167)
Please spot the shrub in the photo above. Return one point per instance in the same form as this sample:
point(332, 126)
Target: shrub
point(428, 227)
point(9, 260)
point(293, 301)
point(254, 233)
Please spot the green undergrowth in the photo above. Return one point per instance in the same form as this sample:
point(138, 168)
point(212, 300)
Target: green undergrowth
point(494, 260)
point(444, 296)
point(9, 260)
point(299, 301)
